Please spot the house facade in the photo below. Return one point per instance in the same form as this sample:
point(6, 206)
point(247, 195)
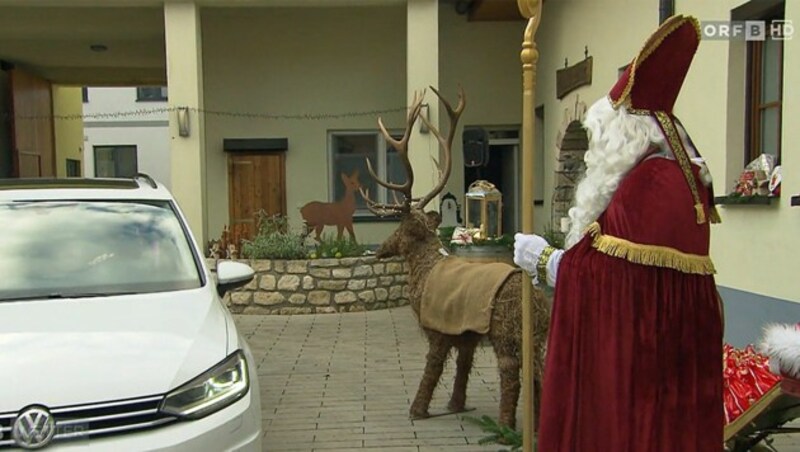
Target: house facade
point(736, 103)
point(126, 131)
point(271, 100)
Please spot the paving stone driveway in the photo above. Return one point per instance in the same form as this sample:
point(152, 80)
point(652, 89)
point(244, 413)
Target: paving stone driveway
point(345, 382)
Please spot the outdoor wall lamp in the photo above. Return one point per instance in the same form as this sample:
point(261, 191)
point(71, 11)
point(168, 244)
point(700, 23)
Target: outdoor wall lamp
point(425, 113)
point(183, 121)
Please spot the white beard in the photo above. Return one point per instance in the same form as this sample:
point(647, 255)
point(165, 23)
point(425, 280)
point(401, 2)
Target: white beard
point(617, 141)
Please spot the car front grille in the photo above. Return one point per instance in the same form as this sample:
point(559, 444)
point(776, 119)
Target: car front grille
point(97, 419)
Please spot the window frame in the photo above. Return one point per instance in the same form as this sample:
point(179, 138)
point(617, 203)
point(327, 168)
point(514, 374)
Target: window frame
point(753, 93)
point(72, 164)
point(116, 147)
point(142, 97)
point(380, 167)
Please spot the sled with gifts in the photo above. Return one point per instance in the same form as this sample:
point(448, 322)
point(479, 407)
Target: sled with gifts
point(762, 390)
point(766, 417)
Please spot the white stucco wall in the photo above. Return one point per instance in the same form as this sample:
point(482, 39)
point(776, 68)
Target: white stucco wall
point(297, 61)
point(341, 60)
point(148, 132)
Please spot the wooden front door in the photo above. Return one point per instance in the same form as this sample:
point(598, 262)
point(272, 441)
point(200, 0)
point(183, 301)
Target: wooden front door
point(256, 182)
point(34, 153)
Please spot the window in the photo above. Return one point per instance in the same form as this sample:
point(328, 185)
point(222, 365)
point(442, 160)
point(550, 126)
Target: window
point(87, 248)
point(349, 151)
point(85, 94)
point(115, 161)
point(151, 94)
point(73, 168)
point(764, 93)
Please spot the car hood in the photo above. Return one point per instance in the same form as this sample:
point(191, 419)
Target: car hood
point(75, 351)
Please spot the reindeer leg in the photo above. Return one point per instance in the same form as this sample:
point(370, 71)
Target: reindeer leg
point(340, 229)
point(438, 349)
point(318, 230)
point(508, 364)
point(466, 353)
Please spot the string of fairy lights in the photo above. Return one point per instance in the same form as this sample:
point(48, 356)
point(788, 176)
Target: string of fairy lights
point(208, 112)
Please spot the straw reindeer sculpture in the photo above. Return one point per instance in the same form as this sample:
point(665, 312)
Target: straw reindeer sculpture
point(318, 214)
point(434, 276)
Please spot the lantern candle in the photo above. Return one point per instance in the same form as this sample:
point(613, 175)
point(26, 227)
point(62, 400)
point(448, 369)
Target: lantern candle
point(484, 209)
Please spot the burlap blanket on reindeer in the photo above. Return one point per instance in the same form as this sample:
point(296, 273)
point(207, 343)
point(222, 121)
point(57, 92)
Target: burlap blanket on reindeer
point(459, 295)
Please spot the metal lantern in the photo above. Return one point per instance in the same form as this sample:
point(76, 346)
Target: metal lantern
point(484, 209)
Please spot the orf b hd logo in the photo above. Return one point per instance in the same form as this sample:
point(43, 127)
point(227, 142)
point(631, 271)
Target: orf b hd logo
point(780, 29)
point(747, 30)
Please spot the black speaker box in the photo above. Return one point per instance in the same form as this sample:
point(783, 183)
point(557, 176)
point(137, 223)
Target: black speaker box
point(476, 147)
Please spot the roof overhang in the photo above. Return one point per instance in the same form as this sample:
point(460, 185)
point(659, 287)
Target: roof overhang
point(54, 39)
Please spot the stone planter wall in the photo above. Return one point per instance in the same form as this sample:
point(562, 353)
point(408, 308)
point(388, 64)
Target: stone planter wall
point(321, 286)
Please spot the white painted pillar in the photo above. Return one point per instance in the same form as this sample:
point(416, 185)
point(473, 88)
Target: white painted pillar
point(185, 80)
point(422, 71)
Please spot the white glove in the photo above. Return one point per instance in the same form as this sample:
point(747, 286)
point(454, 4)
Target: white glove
point(527, 250)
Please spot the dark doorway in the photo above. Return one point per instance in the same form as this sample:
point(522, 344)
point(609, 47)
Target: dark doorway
point(502, 170)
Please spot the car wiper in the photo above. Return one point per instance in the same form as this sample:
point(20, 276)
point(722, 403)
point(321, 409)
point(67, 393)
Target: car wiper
point(57, 295)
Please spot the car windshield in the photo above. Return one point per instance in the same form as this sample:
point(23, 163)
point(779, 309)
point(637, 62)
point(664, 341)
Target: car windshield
point(65, 249)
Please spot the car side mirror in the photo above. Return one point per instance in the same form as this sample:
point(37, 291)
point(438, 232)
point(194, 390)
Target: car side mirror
point(232, 275)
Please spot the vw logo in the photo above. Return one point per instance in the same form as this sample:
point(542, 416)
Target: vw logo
point(33, 428)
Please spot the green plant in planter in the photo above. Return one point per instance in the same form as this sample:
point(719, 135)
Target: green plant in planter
point(553, 237)
point(274, 240)
point(445, 235)
point(332, 247)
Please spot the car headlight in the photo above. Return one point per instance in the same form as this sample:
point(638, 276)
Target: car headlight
point(211, 391)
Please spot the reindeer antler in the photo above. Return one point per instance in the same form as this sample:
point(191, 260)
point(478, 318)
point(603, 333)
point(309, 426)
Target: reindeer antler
point(401, 146)
point(454, 115)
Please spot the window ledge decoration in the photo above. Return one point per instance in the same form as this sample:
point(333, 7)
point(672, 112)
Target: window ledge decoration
point(738, 199)
point(462, 237)
point(758, 184)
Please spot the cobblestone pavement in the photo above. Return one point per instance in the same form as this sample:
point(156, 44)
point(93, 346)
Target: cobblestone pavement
point(344, 382)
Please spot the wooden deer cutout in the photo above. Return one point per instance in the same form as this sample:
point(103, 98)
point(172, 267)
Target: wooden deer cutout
point(318, 214)
point(416, 240)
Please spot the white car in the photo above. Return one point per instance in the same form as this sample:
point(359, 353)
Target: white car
point(113, 335)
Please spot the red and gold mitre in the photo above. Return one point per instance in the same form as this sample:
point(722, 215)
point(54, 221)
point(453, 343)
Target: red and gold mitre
point(650, 86)
point(653, 80)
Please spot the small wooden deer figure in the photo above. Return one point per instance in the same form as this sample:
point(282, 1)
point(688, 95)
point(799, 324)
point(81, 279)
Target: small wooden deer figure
point(318, 214)
point(433, 282)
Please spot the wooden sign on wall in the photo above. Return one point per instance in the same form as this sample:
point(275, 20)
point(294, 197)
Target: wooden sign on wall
point(573, 77)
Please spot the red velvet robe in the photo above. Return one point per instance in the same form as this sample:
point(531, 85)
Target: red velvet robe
point(634, 356)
